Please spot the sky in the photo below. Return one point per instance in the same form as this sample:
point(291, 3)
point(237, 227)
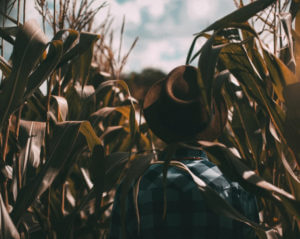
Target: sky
point(165, 28)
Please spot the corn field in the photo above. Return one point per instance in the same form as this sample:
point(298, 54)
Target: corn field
point(64, 151)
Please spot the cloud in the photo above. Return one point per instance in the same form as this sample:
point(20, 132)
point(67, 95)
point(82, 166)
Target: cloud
point(165, 28)
point(164, 54)
point(201, 9)
point(129, 9)
point(32, 13)
point(133, 10)
point(155, 8)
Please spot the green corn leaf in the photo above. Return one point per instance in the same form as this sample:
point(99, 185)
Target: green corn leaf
point(90, 135)
point(97, 167)
point(235, 170)
point(61, 145)
point(29, 47)
point(6, 33)
point(100, 115)
point(69, 41)
point(132, 124)
point(238, 63)
point(292, 178)
point(107, 170)
point(105, 173)
point(286, 20)
point(31, 141)
point(85, 42)
point(114, 165)
point(189, 57)
point(280, 74)
point(245, 125)
point(8, 229)
point(45, 69)
point(110, 133)
point(252, 48)
point(240, 15)
point(81, 101)
point(110, 83)
point(207, 64)
point(81, 65)
point(5, 66)
point(12, 31)
point(59, 108)
point(292, 121)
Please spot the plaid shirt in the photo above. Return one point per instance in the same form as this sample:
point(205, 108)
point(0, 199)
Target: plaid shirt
point(188, 215)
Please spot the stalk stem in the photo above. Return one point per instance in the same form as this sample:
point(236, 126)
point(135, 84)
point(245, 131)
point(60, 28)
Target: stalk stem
point(297, 45)
point(24, 11)
point(4, 153)
point(17, 130)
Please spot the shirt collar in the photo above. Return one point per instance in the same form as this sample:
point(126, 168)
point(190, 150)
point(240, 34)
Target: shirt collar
point(183, 153)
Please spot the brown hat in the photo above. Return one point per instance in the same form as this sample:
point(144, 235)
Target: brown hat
point(174, 110)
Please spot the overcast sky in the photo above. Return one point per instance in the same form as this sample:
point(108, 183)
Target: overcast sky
point(165, 28)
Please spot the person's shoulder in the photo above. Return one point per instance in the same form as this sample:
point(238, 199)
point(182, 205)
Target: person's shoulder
point(210, 174)
point(153, 178)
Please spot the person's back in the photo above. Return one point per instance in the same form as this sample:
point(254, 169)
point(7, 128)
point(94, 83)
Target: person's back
point(175, 207)
point(187, 213)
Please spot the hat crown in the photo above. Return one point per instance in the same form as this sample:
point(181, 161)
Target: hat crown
point(183, 86)
point(174, 110)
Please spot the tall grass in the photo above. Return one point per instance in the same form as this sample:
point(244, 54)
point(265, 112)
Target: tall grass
point(63, 153)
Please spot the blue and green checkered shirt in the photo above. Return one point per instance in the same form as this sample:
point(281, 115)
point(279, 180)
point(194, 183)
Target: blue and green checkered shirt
point(187, 215)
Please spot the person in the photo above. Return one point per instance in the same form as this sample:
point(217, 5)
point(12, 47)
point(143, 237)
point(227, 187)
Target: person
point(173, 207)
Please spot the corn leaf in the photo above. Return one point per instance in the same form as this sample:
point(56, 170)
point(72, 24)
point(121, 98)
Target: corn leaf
point(31, 141)
point(83, 101)
point(5, 66)
point(12, 31)
point(189, 57)
point(45, 68)
point(292, 178)
point(100, 115)
point(97, 167)
point(235, 170)
point(71, 38)
point(114, 165)
point(59, 108)
point(29, 47)
point(81, 65)
point(61, 145)
point(237, 62)
point(240, 15)
point(110, 83)
point(110, 133)
point(90, 135)
point(207, 64)
point(85, 42)
point(292, 122)
point(7, 227)
point(5, 34)
point(218, 204)
point(107, 170)
point(246, 126)
point(286, 20)
point(280, 74)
